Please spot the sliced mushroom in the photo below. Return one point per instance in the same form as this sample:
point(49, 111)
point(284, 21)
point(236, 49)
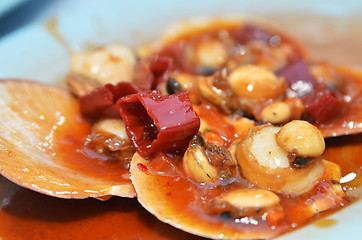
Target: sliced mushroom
point(109, 137)
point(209, 53)
point(216, 90)
point(205, 162)
point(266, 164)
point(115, 127)
point(111, 64)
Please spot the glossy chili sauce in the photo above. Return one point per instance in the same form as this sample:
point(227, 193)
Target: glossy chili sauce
point(194, 199)
point(25, 214)
point(72, 149)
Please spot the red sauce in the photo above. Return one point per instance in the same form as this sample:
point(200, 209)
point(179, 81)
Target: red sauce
point(25, 214)
point(187, 197)
point(69, 147)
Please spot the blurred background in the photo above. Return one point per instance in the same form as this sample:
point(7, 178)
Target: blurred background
point(329, 29)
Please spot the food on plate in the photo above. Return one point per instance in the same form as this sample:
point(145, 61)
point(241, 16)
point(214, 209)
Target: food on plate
point(219, 128)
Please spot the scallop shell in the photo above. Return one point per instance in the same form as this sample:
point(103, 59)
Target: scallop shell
point(31, 114)
point(154, 195)
point(351, 121)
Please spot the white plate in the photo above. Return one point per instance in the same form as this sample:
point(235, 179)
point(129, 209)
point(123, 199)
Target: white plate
point(330, 30)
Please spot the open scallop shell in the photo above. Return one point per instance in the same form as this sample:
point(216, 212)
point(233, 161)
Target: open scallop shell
point(351, 120)
point(157, 195)
point(32, 117)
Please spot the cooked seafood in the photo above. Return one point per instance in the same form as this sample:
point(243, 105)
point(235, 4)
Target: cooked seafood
point(252, 200)
point(239, 185)
point(265, 76)
point(219, 128)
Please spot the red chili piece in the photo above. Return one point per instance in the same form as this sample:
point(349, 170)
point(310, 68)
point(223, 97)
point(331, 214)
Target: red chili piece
point(159, 67)
point(142, 167)
point(323, 104)
point(100, 103)
point(158, 123)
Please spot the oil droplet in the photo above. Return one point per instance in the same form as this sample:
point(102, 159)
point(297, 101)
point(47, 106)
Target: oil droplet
point(325, 223)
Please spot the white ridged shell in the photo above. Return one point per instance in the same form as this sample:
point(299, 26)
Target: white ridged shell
point(29, 114)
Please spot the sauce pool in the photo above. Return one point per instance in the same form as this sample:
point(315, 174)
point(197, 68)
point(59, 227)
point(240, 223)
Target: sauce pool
point(25, 214)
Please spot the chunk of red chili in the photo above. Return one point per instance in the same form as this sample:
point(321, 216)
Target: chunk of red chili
point(151, 73)
point(159, 69)
point(158, 123)
point(323, 104)
point(100, 103)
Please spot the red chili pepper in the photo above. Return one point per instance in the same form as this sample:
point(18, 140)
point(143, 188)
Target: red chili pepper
point(159, 123)
point(323, 104)
point(159, 67)
point(100, 103)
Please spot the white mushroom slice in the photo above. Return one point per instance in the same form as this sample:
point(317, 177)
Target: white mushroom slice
point(210, 53)
point(197, 165)
point(111, 64)
point(265, 164)
point(266, 150)
point(250, 198)
point(115, 127)
point(39, 128)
